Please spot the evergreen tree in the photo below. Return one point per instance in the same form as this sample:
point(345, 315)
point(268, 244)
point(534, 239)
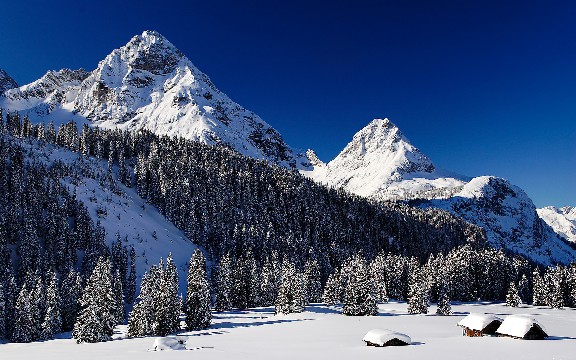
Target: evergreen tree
point(291, 295)
point(223, 284)
point(119, 311)
point(169, 316)
point(359, 297)
point(538, 290)
point(131, 282)
point(417, 293)
point(198, 314)
point(512, 298)
point(332, 290)
point(444, 307)
point(95, 323)
point(24, 323)
point(2, 299)
point(70, 290)
point(52, 323)
point(313, 284)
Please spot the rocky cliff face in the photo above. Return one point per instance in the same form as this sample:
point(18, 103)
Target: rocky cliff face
point(562, 220)
point(6, 82)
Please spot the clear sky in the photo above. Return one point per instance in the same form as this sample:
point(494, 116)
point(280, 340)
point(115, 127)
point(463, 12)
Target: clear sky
point(481, 87)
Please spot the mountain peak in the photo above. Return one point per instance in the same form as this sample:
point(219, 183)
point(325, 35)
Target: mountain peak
point(382, 143)
point(6, 82)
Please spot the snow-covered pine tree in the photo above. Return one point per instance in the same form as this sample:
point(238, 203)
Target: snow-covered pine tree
point(2, 299)
point(512, 298)
point(417, 293)
point(571, 285)
point(95, 323)
point(24, 324)
point(359, 298)
point(332, 289)
point(291, 297)
point(131, 282)
point(119, 311)
point(378, 271)
point(554, 282)
point(142, 317)
point(443, 307)
point(524, 289)
point(223, 278)
point(52, 323)
point(197, 309)
point(70, 291)
point(169, 307)
point(539, 293)
point(313, 281)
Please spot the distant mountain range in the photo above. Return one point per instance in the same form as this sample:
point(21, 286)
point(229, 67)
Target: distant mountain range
point(149, 84)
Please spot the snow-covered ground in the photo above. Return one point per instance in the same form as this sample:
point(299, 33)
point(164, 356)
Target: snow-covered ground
point(323, 333)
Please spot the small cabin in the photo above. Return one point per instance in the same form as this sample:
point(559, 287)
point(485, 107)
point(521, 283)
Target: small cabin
point(475, 325)
point(381, 337)
point(522, 327)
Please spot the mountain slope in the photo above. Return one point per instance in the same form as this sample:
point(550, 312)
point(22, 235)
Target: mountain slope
point(381, 163)
point(149, 84)
point(562, 220)
point(6, 82)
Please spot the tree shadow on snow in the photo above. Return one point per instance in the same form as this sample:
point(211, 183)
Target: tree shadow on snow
point(231, 325)
point(560, 338)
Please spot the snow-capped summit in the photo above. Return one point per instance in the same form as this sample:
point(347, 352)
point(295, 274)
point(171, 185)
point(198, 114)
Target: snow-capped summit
point(150, 84)
point(381, 163)
point(376, 161)
point(6, 82)
point(562, 220)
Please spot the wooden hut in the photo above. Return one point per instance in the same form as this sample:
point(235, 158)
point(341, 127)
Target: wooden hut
point(380, 337)
point(522, 327)
point(475, 325)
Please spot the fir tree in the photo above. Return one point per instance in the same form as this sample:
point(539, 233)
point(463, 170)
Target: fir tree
point(24, 323)
point(70, 290)
point(197, 310)
point(417, 293)
point(512, 298)
point(332, 290)
point(131, 282)
point(359, 298)
point(95, 323)
point(223, 282)
point(291, 295)
point(52, 323)
point(443, 307)
point(313, 284)
point(539, 290)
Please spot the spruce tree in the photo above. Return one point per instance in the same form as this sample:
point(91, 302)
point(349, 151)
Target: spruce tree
point(418, 299)
point(70, 290)
point(95, 323)
point(131, 282)
point(313, 281)
point(197, 309)
point(512, 298)
point(359, 297)
point(2, 300)
point(332, 290)
point(291, 295)
point(223, 284)
point(24, 323)
point(443, 307)
point(538, 290)
point(52, 323)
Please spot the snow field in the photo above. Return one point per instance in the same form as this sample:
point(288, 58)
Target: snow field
point(323, 333)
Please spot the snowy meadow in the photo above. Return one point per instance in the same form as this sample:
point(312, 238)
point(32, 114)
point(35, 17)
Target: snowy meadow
point(323, 332)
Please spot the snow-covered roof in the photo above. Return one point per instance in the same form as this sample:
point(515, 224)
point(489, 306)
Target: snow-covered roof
point(478, 321)
point(518, 325)
point(382, 336)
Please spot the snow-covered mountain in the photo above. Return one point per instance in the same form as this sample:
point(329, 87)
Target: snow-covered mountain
point(562, 220)
point(381, 163)
point(150, 84)
point(6, 82)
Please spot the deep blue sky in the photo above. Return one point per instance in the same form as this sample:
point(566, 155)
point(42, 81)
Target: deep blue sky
point(481, 87)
